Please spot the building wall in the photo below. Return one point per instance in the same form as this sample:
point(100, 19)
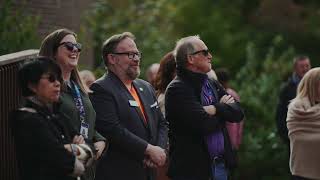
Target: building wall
point(55, 14)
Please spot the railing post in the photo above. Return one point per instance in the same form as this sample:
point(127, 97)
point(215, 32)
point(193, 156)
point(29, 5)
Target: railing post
point(9, 99)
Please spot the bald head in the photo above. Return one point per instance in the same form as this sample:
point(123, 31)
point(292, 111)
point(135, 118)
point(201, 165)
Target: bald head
point(152, 71)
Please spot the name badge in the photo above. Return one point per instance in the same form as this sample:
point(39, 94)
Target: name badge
point(155, 104)
point(133, 103)
point(84, 130)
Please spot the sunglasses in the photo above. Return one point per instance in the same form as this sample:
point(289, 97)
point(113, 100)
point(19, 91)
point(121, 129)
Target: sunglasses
point(52, 78)
point(205, 52)
point(70, 46)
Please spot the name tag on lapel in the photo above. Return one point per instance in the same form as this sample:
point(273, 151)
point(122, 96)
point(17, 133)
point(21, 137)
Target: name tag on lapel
point(155, 104)
point(133, 103)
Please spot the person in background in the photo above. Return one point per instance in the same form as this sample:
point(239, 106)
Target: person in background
point(288, 91)
point(62, 46)
point(87, 78)
point(167, 72)
point(301, 65)
point(128, 114)
point(197, 109)
point(303, 122)
point(151, 73)
point(235, 129)
point(45, 145)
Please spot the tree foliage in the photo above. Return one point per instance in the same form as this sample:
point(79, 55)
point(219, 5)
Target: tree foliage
point(146, 20)
point(18, 31)
point(258, 83)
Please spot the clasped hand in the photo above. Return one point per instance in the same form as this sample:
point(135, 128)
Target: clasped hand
point(155, 156)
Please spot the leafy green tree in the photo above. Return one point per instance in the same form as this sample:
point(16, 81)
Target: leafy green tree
point(17, 32)
point(258, 83)
point(221, 24)
point(149, 21)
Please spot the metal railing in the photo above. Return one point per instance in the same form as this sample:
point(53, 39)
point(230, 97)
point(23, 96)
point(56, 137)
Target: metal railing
point(9, 100)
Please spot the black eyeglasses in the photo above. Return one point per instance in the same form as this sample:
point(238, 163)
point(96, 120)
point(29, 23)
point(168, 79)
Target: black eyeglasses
point(205, 52)
point(131, 55)
point(70, 46)
point(52, 78)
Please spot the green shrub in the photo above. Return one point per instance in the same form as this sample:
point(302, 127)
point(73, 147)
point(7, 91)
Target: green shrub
point(145, 19)
point(18, 31)
point(262, 154)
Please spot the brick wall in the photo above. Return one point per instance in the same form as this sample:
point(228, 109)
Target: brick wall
point(55, 14)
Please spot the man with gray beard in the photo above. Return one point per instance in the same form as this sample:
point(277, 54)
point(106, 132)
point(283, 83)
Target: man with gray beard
point(128, 115)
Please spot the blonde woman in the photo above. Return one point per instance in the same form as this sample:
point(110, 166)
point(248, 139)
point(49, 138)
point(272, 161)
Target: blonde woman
point(166, 73)
point(303, 122)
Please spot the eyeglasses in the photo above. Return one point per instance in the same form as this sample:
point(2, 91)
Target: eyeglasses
point(70, 46)
point(131, 55)
point(205, 52)
point(52, 78)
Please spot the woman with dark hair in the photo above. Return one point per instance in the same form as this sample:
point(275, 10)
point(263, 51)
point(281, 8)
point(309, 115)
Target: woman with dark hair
point(166, 73)
point(62, 46)
point(46, 146)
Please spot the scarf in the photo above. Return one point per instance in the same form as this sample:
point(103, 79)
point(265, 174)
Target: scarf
point(303, 121)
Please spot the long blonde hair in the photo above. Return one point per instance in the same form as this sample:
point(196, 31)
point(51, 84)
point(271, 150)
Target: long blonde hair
point(49, 48)
point(309, 86)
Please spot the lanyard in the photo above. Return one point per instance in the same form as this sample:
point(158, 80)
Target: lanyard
point(78, 101)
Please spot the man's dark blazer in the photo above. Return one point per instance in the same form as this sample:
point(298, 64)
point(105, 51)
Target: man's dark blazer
point(287, 93)
point(122, 123)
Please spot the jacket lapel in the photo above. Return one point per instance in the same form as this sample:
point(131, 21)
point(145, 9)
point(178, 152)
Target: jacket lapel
point(140, 91)
point(127, 95)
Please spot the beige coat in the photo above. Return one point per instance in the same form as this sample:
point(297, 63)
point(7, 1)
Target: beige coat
point(304, 133)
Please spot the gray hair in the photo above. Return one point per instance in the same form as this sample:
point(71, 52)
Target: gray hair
point(183, 48)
